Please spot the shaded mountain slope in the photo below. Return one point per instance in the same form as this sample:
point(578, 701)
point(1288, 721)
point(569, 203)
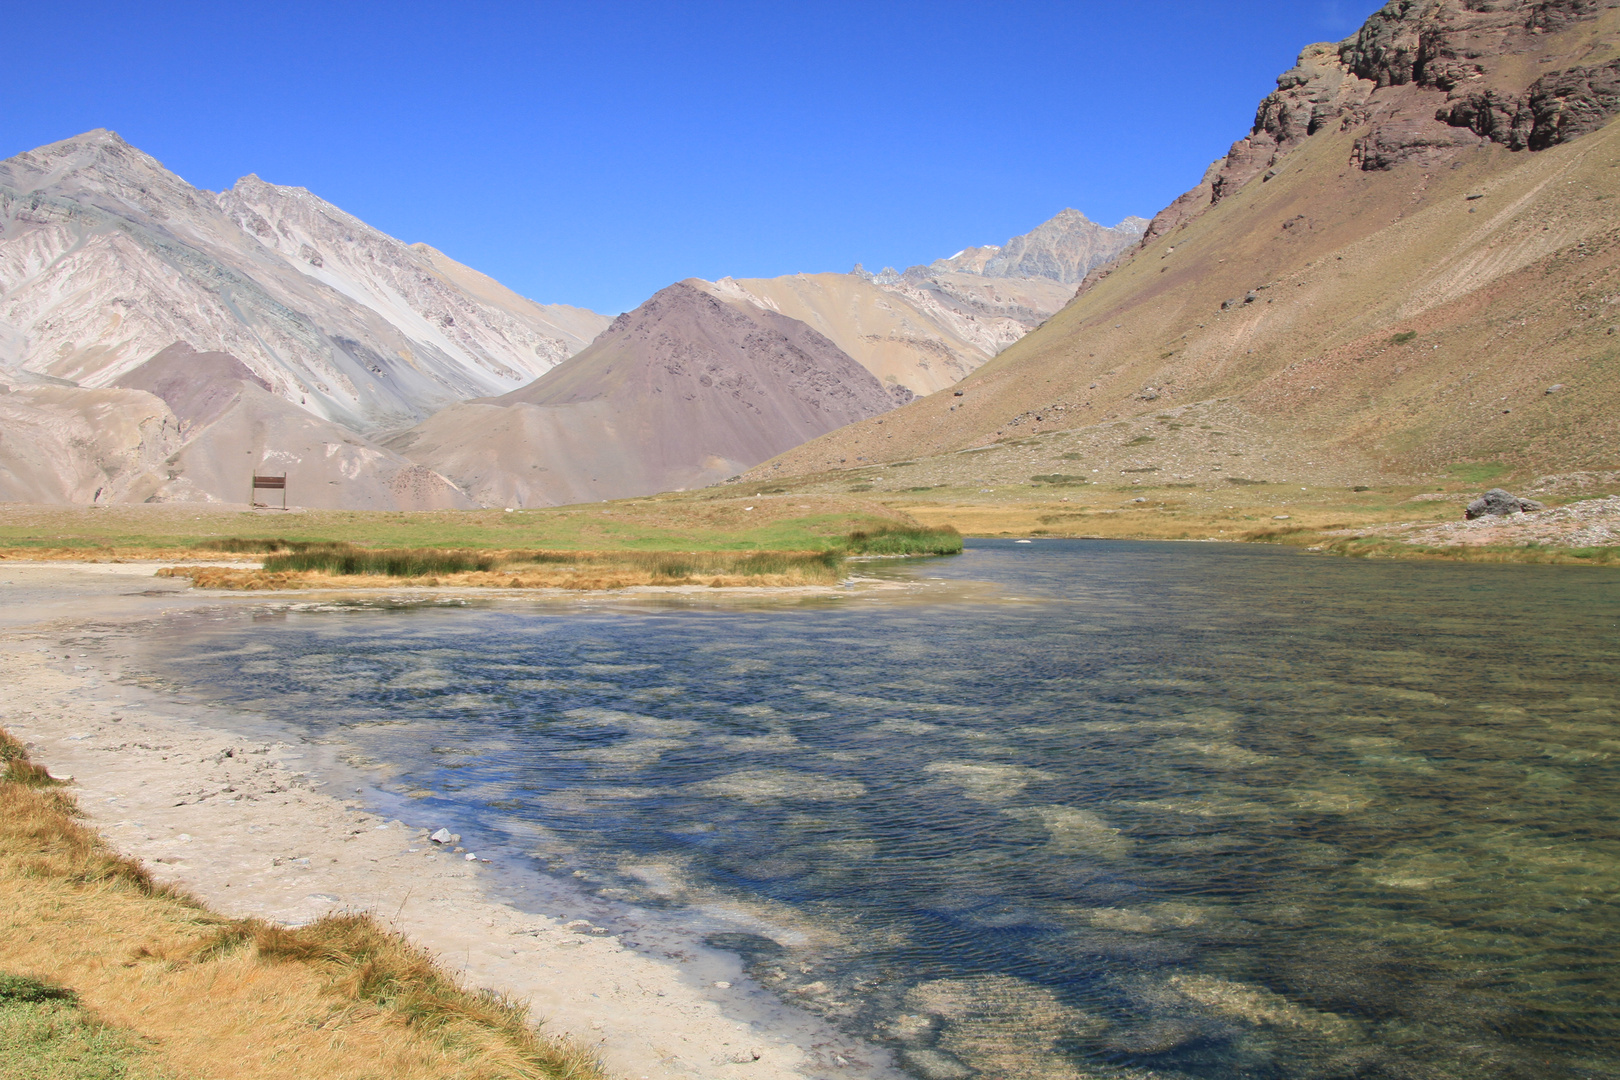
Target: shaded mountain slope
point(1367, 284)
point(686, 390)
point(107, 257)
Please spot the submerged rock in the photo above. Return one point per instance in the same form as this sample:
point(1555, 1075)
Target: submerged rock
point(1499, 503)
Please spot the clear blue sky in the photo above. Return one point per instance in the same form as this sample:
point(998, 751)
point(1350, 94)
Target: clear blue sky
point(592, 153)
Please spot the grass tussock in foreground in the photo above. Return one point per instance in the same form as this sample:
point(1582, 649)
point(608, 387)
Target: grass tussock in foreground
point(905, 540)
point(327, 564)
point(101, 966)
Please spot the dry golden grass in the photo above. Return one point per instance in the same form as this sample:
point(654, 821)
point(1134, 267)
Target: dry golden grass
point(222, 577)
point(330, 566)
point(116, 554)
point(341, 999)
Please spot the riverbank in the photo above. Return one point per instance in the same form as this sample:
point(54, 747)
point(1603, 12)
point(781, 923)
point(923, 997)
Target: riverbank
point(258, 827)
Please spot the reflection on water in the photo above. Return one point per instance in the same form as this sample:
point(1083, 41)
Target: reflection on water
point(1176, 810)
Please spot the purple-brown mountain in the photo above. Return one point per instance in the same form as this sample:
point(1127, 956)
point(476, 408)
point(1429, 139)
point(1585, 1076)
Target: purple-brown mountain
point(690, 388)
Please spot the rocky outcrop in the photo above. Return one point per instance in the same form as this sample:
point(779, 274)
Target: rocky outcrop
point(1500, 503)
point(1420, 78)
point(1556, 108)
point(1398, 142)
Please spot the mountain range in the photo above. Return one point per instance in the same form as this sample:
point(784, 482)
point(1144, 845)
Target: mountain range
point(1406, 266)
point(106, 258)
point(160, 342)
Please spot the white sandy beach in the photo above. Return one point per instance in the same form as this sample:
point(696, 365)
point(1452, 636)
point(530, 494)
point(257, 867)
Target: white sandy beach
point(259, 828)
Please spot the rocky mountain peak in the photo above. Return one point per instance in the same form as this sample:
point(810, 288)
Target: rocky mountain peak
point(1064, 249)
point(99, 169)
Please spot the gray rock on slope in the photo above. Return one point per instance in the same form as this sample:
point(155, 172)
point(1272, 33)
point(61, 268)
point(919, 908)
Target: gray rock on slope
point(1500, 503)
point(688, 389)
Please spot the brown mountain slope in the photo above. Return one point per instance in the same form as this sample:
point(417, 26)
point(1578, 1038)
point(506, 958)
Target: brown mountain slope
point(684, 391)
point(1362, 288)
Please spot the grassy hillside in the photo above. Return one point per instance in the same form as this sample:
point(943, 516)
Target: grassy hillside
point(1379, 326)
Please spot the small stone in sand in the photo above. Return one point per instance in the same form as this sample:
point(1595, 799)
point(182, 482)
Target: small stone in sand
point(443, 836)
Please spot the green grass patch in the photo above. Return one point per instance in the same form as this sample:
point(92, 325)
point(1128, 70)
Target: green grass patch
point(1139, 440)
point(1482, 472)
point(46, 1035)
point(1372, 547)
point(1403, 337)
point(1059, 479)
point(1243, 481)
point(710, 520)
point(903, 540)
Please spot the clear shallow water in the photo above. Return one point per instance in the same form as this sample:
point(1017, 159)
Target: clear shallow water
point(1144, 809)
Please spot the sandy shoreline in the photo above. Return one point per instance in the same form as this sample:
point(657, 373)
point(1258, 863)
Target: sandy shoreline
point(260, 827)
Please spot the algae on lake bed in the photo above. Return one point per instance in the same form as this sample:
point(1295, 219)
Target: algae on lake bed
point(1199, 811)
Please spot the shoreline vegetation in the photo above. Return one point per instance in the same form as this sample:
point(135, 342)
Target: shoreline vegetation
point(292, 564)
point(104, 967)
point(795, 538)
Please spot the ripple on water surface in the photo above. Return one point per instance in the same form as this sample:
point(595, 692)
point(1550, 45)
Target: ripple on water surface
point(1178, 811)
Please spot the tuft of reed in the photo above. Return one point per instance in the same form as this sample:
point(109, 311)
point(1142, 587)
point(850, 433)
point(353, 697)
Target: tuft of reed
point(905, 540)
point(313, 564)
point(348, 561)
